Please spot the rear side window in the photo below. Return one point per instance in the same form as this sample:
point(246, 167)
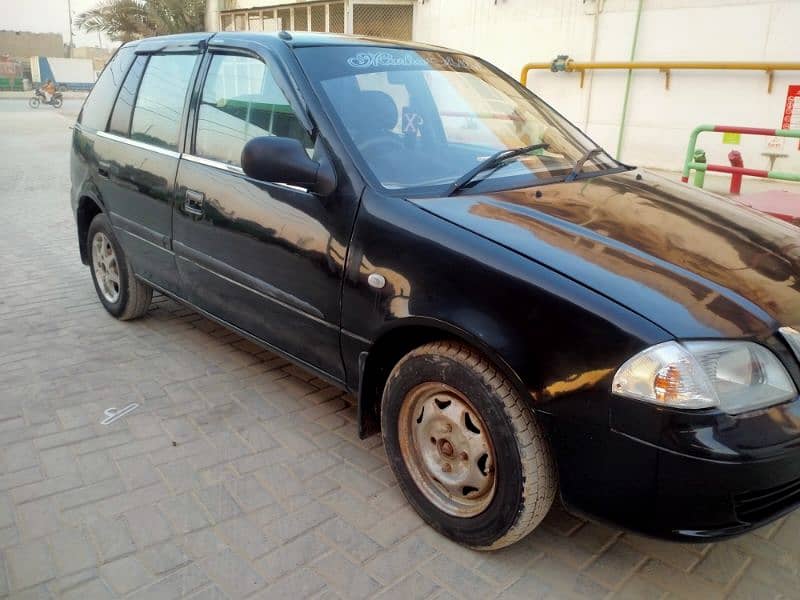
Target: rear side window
point(240, 101)
point(159, 103)
point(98, 105)
point(120, 122)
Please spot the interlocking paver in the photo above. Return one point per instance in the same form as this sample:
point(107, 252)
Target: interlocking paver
point(126, 574)
point(29, 563)
point(73, 551)
point(239, 473)
point(112, 538)
point(233, 574)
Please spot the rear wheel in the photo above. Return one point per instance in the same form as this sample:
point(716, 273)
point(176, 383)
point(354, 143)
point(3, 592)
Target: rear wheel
point(465, 448)
point(33, 102)
point(122, 295)
point(57, 102)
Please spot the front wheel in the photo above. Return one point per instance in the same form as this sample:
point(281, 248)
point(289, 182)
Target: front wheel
point(57, 102)
point(33, 102)
point(465, 448)
point(122, 295)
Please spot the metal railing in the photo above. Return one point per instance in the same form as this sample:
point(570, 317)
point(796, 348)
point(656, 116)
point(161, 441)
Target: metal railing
point(691, 163)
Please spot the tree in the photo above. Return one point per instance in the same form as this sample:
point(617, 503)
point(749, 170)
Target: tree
point(125, 20)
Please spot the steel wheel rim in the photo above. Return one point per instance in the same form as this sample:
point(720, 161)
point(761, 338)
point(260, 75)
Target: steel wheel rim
point(447, 449)
point(106, 267)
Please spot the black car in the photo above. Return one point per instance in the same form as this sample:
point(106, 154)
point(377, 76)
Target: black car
point(517, 312)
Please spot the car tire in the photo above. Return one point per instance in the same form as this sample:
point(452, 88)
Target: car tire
point(465, 448)
point(122, 295)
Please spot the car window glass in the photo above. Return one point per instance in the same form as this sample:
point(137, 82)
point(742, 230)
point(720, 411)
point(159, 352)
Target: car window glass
point(240, 101)
point(97, 107)
point(120, 122)
point(159, 104)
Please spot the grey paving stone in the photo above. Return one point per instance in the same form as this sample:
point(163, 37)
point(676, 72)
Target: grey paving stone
point(298, 522)
point(58, 461)
point(349, 538)
point(249, 493)
point(18, 478)
point(38, 518)
point(304, 583)
point(89, 493)
point(203, 543)
point(164, 558)
point(29, 563)
point(72, 551)
point(6, 511)
point(62, 585)
point(218, 502)
point(414, 586)
point(245, 535)
point(20, 456)
point(46, 487)
point(93, 589)
point(402, 558)
point(96, 467)
point(232, 574)
point(180, 476)
point(347, 579)
point(184, 513)
point(112, 538)
point(291, 556)
point(126, 574)
point(147, 526)
point(137, 472)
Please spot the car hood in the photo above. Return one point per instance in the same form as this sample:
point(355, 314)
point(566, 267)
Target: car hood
point(694, 263)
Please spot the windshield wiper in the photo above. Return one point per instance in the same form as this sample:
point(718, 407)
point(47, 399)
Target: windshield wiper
point(576, 170)
point(493, 162)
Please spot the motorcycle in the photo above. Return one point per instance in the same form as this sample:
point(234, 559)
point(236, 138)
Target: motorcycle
point(39, 97)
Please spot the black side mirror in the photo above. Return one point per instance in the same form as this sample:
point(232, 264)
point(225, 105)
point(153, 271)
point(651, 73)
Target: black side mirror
point(284, 160)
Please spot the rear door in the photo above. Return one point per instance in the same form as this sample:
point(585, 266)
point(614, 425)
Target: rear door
point(139, 156)
point(265, 257)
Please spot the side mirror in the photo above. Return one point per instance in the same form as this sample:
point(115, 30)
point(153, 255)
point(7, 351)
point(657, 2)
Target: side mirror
point(284, 160)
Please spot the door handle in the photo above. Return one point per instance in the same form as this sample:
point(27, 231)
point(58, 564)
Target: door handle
point(102, 170)
point(193, 203)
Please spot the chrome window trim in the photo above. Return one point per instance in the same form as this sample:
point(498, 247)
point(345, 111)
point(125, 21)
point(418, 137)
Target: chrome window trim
point(237, 170)
point(792, 337)
point(137, 144)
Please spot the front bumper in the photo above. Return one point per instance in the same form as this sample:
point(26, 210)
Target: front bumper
point(675, 475)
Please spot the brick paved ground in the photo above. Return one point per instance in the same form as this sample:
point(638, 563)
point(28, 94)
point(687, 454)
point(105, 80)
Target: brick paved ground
point(241, 475)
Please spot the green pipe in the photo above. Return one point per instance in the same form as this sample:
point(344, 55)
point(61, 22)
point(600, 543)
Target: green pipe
point(783, 176)
point(629, 79)
point(690, 150)
point(699, 175)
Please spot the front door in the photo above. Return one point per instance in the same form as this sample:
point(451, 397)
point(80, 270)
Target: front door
point(265, 257)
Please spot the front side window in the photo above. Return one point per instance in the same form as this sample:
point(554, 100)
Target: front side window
point(240, 101)
point(419, 120)
point(159, 103)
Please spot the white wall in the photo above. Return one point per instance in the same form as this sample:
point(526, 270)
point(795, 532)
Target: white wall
point(510, 33)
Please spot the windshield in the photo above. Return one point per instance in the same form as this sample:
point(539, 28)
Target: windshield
point(419, 120)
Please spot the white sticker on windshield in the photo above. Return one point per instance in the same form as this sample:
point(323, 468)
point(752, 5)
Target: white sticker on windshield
point(364, 60)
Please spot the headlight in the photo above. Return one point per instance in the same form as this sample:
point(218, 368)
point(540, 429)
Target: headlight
point(792, 336)
point(732, 376)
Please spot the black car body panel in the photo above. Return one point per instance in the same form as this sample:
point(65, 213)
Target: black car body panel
point(558, 283)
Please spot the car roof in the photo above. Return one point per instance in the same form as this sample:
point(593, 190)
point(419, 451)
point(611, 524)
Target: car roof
point(293, 39)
